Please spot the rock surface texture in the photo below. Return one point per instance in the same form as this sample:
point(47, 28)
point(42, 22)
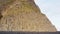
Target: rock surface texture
point(23, 15)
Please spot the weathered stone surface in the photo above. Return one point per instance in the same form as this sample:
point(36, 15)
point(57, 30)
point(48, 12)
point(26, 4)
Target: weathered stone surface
point(23, 15)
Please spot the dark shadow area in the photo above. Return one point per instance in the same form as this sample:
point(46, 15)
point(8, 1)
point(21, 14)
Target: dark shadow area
point(10, 32)
point(1, 16)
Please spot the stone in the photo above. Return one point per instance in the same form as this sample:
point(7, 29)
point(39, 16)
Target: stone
point(23, 15)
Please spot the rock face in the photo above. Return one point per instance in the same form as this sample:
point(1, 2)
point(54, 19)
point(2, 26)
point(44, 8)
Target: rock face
point(23, 15)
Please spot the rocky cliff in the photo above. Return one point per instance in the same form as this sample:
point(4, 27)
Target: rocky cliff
point(23, 15)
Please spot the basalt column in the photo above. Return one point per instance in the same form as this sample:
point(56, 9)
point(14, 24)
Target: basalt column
point(23, 15)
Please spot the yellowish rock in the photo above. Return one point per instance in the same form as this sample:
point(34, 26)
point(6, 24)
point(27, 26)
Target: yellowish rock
point(24, 15)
